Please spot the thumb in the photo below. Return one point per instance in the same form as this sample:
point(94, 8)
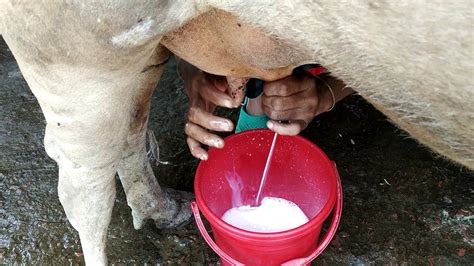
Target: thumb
point(237, 89)
point(291, 128)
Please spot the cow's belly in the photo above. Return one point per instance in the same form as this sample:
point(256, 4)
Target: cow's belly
point(219, 43)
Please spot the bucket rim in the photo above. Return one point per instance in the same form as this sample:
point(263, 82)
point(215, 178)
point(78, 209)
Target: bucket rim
point(316, 221)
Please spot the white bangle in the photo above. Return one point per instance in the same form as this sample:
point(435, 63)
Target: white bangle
point(330, 90)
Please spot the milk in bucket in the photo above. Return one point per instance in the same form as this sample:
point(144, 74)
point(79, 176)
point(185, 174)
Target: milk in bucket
point(273, 215)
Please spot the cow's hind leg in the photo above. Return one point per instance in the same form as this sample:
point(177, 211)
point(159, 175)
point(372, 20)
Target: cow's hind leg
point(87, 118)
point(96, 126)
point(88, 111)
point(87, 197)
point(167, 207)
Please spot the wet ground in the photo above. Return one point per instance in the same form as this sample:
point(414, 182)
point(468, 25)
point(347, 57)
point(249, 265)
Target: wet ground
point(403, 204)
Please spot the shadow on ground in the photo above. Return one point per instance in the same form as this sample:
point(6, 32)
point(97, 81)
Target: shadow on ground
point(402, 203)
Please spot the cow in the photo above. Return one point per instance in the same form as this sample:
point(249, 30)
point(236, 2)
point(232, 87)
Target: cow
point(93, 66)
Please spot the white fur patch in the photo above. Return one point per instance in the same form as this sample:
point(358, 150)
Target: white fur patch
point(137, 35)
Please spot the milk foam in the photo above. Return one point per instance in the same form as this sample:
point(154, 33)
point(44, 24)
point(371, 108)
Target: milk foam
point(273, 215)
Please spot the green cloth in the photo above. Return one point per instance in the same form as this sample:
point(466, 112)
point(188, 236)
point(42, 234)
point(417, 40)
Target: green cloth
point(247, 121)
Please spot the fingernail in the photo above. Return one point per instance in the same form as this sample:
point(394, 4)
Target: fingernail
point(203, 157)
point(219, 143)
point(216, 143)
point(222, 125)
point(228, 126)
point(229, 104)
point(270, 124)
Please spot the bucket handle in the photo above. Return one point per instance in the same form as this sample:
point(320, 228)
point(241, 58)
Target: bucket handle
point(336, 218)
point(208, 238)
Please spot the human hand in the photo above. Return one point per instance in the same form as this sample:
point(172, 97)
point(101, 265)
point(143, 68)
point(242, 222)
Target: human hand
point(296, 100)
point(205, 92)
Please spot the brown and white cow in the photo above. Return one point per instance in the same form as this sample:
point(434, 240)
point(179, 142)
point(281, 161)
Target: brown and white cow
point(93, 66)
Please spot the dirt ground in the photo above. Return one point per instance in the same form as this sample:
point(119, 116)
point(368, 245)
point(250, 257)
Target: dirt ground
point(402, 204)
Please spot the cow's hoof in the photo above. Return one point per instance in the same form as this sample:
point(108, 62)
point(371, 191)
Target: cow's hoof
point(178, 212)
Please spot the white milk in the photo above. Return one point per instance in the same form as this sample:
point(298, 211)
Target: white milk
point(273, 215)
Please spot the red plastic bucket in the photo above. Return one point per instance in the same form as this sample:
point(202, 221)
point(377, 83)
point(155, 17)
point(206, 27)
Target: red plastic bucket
point(299, 172)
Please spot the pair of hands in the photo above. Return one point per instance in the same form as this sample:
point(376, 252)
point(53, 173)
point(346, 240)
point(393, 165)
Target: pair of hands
point(293, 99)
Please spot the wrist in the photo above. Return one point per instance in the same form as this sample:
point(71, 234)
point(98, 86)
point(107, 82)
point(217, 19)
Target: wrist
point(327, 99)
point(332, 91)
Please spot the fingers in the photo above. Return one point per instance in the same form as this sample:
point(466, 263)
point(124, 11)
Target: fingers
point(293, 114)
point(217, 97)
point(292, 128)
point(203, 136)
point(196, 150)
point(290, 99)
point(210, 89)
point(283, 87)
point(281, 103)
point(205, 92)
point(207, 120)
point(195, 129)
point(220, 82)
point(288, 108)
